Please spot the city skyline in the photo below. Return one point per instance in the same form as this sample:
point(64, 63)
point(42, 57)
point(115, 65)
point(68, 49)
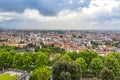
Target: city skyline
point(60, 14)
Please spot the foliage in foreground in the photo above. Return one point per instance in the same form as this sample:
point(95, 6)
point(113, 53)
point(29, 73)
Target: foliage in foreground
point(96, 66)
point(41, 73)
point(107, 74)
point(66, 70)
point(89, 62)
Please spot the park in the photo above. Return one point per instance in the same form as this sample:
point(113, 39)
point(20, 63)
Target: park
point(64, 65)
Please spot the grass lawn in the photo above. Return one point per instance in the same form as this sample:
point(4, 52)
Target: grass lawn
point(7, 77)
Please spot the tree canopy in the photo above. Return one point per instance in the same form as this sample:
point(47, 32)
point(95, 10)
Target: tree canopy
point(69, 68)
point(96, 66)
point(82, 63)
point(112, 63)
point(42, 60)
point(41, 73)
point(107, 74)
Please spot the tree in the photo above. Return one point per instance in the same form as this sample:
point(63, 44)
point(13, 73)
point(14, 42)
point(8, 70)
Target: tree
point(47, 50)
point(12, 52)
point(56, 57)
point(82, 63)
point(52, 49)
point(107, 74)
point(94, 44)
point(88, 56)
point(96, 66)
point(65, 57)
point(42, 60)
point(9, 48)
point(5, 59)
point(32, 55)
point(65, 76)
point(37, 48)
point(117, 56)
point(73, 55)
point(41, 73)
point(18, 61)
point(112, 64)
point(22, 61)
point(27, 62)
point(64, 66)
point(74, 69)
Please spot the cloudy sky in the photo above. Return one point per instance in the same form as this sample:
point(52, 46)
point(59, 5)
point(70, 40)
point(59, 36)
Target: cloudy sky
point(60, 14)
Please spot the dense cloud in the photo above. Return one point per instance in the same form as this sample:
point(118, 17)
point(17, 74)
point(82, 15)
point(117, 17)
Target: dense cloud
point(60, 14)
point(46, 7)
